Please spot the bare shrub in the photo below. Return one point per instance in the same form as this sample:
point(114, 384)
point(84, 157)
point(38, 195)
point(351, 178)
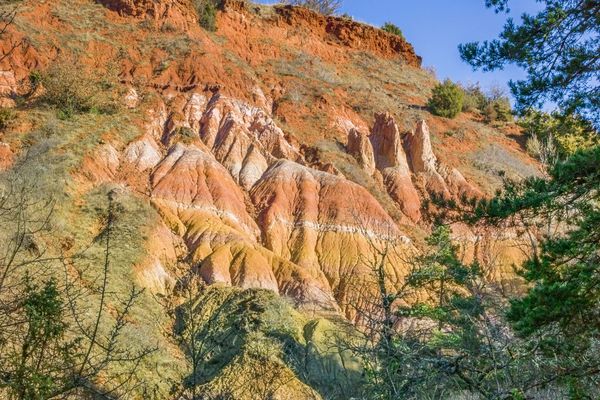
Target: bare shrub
point(325, 7)
point(73, 88)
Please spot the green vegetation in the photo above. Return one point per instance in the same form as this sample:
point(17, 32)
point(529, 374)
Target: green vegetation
point(73, 88)
point(474, 99)
point(494, 106)
point(7, 116)
point(393, 29)
point(446, 99)
point(497, 110)
point(559, 313)
point(557, 48)
point(56, 340)
point(236, 339)
point(207, 13)
point(454, 337)
point(566, 134)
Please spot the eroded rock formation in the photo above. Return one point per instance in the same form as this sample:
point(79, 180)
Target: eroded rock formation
point(361, 148)
point(392, 162)
point(405, 160)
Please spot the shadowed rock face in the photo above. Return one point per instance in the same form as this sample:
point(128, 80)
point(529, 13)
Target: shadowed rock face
point(387, 144)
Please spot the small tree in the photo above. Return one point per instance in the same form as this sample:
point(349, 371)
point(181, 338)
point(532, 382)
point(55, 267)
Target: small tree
point(543, 149)
point(569, 133)
point(7, 116)
point(325, 7)
point(438, 332)
point(446, 99)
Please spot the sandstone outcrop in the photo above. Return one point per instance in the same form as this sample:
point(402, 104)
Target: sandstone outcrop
point(392, 162)
point(143, 153)
point(8, 84)
point(404, 159)
point(458, 185)
point(319, 221)
point(422, 160)
point(360, 147)
point(131, 99)
point(199, 198)
point(190, 178)
point(102, 165)
point(244, 139)
point(442, 180)
point(6, 156)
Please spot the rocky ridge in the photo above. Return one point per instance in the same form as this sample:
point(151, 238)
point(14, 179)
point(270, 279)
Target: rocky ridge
point(237, 189)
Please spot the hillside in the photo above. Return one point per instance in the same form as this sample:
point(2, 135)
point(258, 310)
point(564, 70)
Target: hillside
point(265, 157)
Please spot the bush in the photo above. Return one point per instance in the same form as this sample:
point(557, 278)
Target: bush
point(35, 79)
point(7, 116)
point(325, 7)
point(495, 106)
point(569, 133)
point(474, 100)
point(544, 150)
point(207, 13)
point(393, 29)
point(498, 110)
point(446, 99)
point(73, 88)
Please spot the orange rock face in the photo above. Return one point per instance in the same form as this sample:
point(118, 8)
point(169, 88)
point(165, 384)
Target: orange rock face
point(392, 162)
point(235, 133)
point(423, 161)
point(351, 34)
point(360, 147)
point(319, 221)
point(176, 12)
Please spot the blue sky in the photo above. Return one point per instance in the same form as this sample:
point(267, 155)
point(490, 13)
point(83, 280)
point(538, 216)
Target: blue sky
point(437, 27)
